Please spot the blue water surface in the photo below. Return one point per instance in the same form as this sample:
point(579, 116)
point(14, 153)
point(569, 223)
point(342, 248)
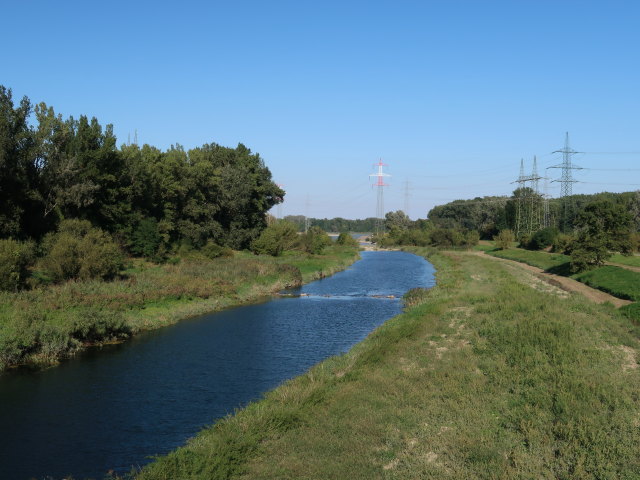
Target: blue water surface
point(112, 408)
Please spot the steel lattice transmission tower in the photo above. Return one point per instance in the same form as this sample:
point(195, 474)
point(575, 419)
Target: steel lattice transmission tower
point(535, 214)
point(407, 188)
point(546, 216)
point(566, 179)
point(521, 184)
point(380, 197)
point(528, 214)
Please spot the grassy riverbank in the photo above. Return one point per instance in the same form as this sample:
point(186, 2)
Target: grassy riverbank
point(617, 281)
point(482, 377)
point(43, 325)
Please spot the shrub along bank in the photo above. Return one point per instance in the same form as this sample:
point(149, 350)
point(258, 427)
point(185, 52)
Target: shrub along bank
point(481, 377)
point(45, 324)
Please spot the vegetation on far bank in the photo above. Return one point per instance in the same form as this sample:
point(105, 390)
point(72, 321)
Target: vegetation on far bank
point(481, 377)
point(45, 324)
point(98, 242)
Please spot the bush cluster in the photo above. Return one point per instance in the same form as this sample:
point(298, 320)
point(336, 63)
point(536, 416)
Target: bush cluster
point(314, 241)
point(563, 243)
point(275, 239)
point(346, 239)
point(212, 250)
point(80, 251)
point(15, 259)
point(504, 239)
point(283, 235)
point(438, 237)
point(542, 239)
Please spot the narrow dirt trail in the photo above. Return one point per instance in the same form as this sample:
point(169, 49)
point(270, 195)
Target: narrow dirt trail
point(565, 283)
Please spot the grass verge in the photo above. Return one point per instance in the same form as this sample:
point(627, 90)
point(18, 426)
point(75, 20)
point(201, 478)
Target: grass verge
point(534, 258)
point(632, 261)
point(617, 281)
point(482, 377)
point(41, 326)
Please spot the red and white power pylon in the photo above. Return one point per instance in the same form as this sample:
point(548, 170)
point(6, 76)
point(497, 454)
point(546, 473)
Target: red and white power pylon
point(380, 203)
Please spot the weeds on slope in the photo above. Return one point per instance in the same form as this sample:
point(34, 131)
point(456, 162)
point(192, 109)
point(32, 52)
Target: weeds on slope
point(482, 378)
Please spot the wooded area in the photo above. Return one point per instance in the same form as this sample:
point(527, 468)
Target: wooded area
point(53, 169)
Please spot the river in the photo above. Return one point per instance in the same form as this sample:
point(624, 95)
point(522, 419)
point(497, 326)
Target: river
point(114, 407)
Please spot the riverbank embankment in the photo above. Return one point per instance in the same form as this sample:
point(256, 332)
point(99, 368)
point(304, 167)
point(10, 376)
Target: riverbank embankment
point(42, 326)
point(484, 376)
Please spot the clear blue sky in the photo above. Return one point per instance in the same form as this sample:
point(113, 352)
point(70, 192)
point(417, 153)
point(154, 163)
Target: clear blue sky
point(450, 94)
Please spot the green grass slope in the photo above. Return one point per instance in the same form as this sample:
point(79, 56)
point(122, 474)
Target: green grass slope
point(617, 281)
point(482, 377)
point(535, 258)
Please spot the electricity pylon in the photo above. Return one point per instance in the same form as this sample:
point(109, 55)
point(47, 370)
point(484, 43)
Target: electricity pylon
point(528, 215)
point(566, 180)
point(380, 197)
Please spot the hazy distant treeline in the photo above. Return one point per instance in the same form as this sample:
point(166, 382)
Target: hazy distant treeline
point(53, 168)
point(488, 215)
point(334, 224)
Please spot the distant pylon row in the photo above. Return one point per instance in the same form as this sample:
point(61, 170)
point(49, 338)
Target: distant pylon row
point(532, 208)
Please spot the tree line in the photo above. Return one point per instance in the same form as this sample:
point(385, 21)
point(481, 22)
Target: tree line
point(337, 224)
point(490, 214)
point(588, 228)
point(55, 171)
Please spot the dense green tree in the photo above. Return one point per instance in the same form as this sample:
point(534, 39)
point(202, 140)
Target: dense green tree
point(146, 239)
point(19, 198)
point(315, 240)
point(15, 260)
point(486, 215)
point(346, 239)
point(603, 227)
point(397, 220)
point(543, 238)
point(237, 195)
point(66, 168)
point(64, 188)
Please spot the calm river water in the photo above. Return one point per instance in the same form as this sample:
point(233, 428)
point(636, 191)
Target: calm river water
point(113, 408)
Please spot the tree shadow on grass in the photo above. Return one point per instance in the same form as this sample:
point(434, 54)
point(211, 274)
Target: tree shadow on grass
point(562, 269)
